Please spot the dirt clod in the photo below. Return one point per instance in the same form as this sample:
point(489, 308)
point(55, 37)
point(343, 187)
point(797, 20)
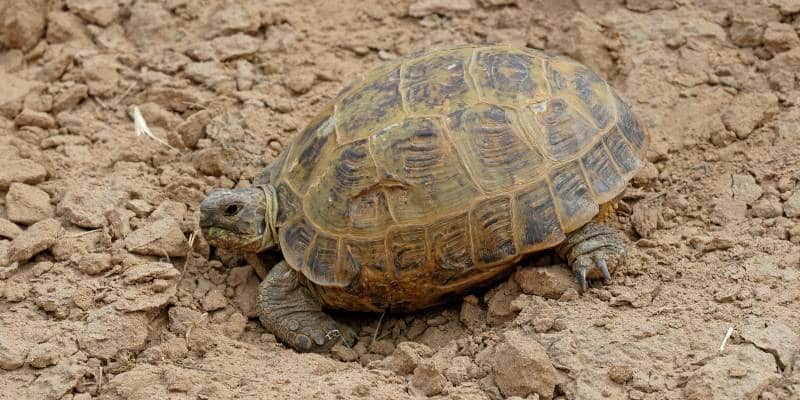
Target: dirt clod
point(522, 368)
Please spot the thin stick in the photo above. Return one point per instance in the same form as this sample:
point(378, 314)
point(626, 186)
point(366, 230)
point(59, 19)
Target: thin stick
point(725, 339)
point(378, 328)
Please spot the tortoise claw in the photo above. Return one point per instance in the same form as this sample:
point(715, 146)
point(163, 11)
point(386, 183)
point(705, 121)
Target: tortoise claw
point(601, 263)
point(581, 272)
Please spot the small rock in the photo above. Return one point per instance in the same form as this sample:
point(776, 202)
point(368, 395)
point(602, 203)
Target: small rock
point(27, 204)
point(238, 45)
point(37, 238)
point(499, 302)
point(745, 188)
point(87, 206)
point(94, 263)
point(459, 369)
point(141, 208)
point(548, 282)
point(343, 353)
point(25, 171)
point(22, 24)
point(416, 329)
point(235, 326)
point(234, 18)
point(12, 352)
point(749, 111)
point(791, 207)
point(769, 207)
point(382, 347)
point(405, 358)
point(98, 12)
point(422, 8)
point(472, 315)
point(438, 320)
point(55, 382)
point(9, 229)
point(779, 37)
point(63, 27)
point(787, 7)
point(214, 300)
point(160, 238)
point(427, 381)
point(119, 221)
point(522, 368)
point(148, 272)
point(301, 82)
point(107, 332)
point(620, 374)
point(35, 118)
point(193, 129)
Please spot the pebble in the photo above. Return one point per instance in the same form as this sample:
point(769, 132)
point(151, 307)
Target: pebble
point(301, 82)
point(791, 207)
point(620, 374)
point(23, 24)
point(25, 171)
point(9, 229)
point(39, 119)
point(769, 207)
point(522, 368)
point(107, 332)
point(745, 188)
point(382, 347)
point(549, 282)
point(94, 263)
point(147, 272)
point(749, 110)
point(235, 46)
point(344, 353)
point(87, 206)
point(37, 238)
point(27, 204)
point(214, 300)
point(427, 381)
point(160, 238)
point(779, 37)
point(98, 12)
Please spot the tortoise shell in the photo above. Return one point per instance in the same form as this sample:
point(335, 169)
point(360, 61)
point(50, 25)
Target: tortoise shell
point(436, 172)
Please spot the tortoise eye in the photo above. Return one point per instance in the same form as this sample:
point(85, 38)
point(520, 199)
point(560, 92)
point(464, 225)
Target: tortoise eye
point(232, 210)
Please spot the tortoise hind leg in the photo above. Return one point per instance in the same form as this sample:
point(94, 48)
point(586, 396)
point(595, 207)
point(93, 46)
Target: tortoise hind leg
point(288, 311)
point(593, 250)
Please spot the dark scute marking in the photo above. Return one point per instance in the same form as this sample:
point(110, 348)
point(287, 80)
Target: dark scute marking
point(538, 217)
point(601, 115)
point(450, 245)
point(289, 204)
point(307, 150)
point(602, 176)
point(501, 157)
point(431, 82)
point(369, 209)
point(321, 264)
point(407, 248)
point(621, 151)
point(557, 80)
point(569, 187)
point(370, 107)
point(629, 124)
point(506, 72)
point(365, 254)
point(492, 236)
point(565, 130)
point(295, 238)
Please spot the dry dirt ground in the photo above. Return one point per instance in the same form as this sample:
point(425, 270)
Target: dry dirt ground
point(107, 291)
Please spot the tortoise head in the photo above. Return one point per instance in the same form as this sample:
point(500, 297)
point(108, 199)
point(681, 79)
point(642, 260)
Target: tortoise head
point(240, 219)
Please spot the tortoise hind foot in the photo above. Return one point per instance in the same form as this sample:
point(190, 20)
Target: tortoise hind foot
point(288, 311)
point(593, 251)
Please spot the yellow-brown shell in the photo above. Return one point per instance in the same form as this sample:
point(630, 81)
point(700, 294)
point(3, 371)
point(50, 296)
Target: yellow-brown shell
point(433, 171)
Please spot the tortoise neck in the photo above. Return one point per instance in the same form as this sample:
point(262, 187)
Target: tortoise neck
point(270, 237)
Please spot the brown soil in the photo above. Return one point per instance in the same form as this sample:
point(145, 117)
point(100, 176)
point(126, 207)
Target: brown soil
point(107, 291)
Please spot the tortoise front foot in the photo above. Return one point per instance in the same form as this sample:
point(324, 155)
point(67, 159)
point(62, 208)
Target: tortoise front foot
point(593, 251)
point(288, 311)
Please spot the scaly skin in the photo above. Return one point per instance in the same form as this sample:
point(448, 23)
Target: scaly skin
point(592, 248)
point(286, 309)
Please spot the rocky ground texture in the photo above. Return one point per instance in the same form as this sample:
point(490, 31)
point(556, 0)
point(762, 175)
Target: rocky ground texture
point(108, 291)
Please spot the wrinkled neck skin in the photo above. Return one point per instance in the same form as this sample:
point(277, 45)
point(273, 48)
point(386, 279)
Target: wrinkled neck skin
point(270, 238)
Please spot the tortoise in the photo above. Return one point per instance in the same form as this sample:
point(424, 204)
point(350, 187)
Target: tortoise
point(429, 176)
